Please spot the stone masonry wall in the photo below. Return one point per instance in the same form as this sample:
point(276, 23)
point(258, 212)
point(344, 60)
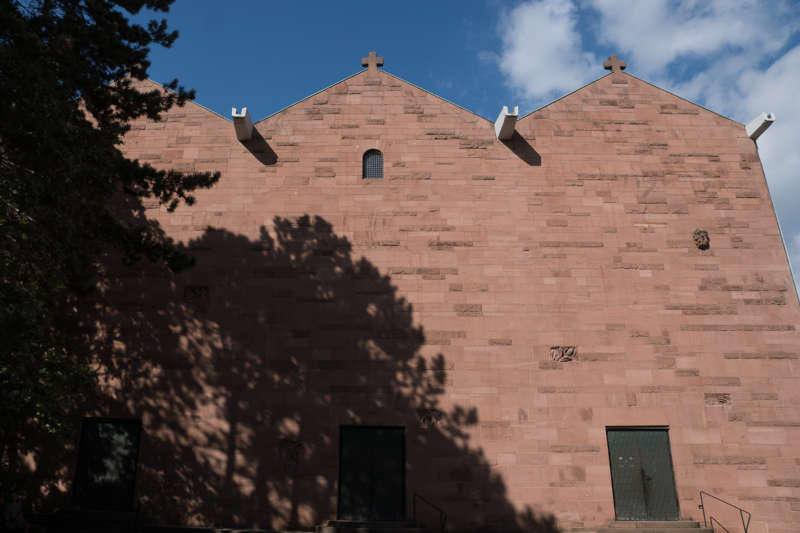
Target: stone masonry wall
point(576, 233)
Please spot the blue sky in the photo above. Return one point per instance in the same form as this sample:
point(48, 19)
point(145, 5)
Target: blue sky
point(736, 57)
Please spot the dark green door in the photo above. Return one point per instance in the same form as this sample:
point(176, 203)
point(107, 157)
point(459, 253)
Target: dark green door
point(105, 475)
point(372, 473)
point(641, 474)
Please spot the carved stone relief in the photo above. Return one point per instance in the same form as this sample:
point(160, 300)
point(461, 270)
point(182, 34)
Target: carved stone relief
point(564, 354)
point(429, 416)
point(701, 239)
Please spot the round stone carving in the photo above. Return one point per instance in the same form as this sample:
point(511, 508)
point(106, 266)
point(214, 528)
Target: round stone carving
point(701, 239)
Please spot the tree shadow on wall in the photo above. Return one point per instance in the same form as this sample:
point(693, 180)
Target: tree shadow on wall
point(244, 367)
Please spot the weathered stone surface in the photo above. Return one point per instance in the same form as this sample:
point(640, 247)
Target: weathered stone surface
point(717, 398)
point(468, 309)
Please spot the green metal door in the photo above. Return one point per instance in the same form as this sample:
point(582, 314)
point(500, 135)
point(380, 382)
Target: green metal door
point(641, 474)
point(372, 473)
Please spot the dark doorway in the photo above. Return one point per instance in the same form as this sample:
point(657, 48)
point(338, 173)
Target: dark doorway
point(372, 473)
point(105, 475)
point(641, 474)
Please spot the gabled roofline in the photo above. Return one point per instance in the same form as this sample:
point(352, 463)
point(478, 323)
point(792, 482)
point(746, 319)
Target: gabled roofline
point(362, 72)
point(281, 110)
point(440, 97)
point(228, 119)
point(682, 98)
point(641, 80)
point(529, 113)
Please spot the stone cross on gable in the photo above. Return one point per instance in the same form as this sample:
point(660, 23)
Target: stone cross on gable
point(614, 64)
point(372, 62)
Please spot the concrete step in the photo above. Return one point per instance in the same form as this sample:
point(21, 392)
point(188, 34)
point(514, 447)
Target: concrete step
point(633, 524)
point(658, 530)
point(654, 526)
point(374, 523)
point(371, 529)
point(352, 526)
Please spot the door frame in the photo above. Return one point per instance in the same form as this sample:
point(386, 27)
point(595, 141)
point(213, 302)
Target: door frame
point(671, 464)
point(339, 456)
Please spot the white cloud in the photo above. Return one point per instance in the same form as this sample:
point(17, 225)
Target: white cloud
point(731, 57)
point(542, 55)
point(657, 32)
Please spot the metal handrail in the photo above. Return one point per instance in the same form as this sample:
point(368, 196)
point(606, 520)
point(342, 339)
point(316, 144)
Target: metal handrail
point(442, 514)
point(742, 513)
point(712, 520)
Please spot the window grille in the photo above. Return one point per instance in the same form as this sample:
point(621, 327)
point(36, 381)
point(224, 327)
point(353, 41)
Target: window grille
point(373, 164)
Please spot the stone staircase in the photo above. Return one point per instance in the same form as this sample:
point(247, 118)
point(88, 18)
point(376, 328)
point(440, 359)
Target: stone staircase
point(349, 526)
point(671, 526)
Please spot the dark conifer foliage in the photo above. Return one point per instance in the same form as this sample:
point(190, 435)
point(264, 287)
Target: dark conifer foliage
point(68, 73)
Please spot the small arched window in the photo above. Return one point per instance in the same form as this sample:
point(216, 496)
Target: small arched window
point(373, 164)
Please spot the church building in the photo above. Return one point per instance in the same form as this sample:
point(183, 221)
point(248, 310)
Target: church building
point(579, 319)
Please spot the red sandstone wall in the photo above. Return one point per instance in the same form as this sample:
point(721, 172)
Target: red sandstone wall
point(580, 234)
